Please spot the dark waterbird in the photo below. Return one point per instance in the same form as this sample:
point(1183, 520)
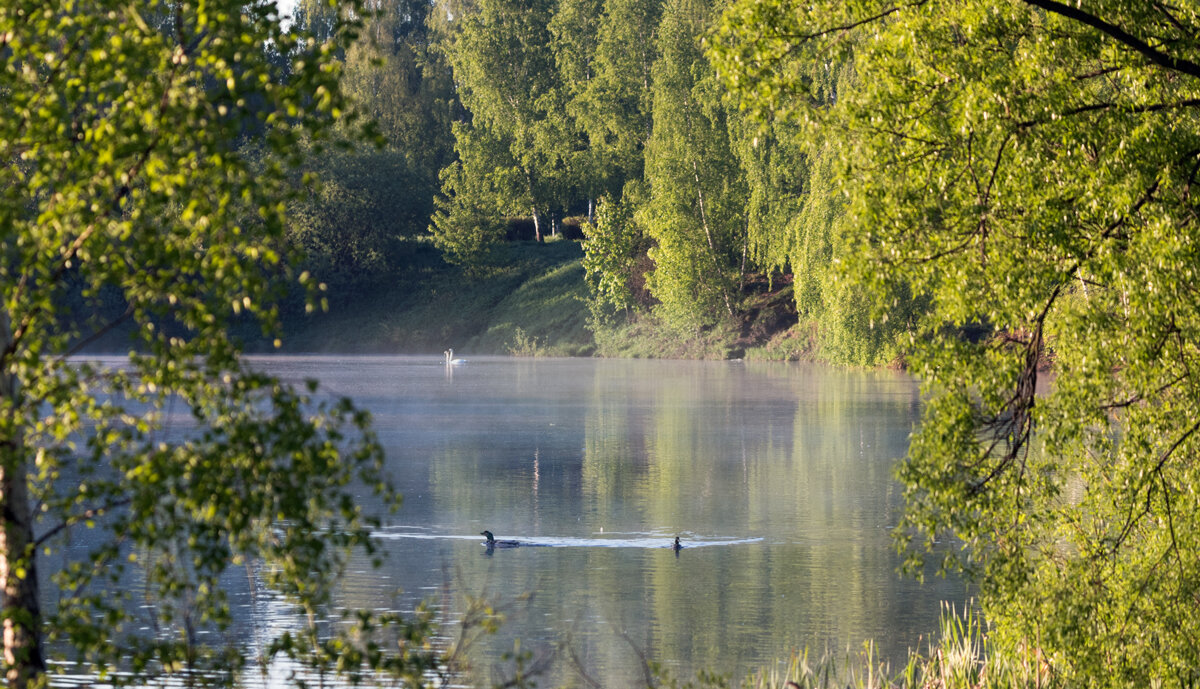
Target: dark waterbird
point(491, 541)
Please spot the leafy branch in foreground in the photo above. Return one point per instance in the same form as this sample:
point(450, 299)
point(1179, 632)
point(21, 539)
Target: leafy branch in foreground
point(1028, 167)
point(145, 161)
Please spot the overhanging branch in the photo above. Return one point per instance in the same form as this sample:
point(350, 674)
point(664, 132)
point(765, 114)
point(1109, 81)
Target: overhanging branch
point(850, 25)
point(86, 515)
point(1115, 32)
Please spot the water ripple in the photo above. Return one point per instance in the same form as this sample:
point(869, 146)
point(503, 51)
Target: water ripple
point(622, 541)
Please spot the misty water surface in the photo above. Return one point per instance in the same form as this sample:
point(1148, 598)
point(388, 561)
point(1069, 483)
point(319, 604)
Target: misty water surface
point(777, 477)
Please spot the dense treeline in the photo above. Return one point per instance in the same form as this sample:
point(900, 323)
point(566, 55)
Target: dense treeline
point(501, 119)
point(577, 105)
point(358, 226)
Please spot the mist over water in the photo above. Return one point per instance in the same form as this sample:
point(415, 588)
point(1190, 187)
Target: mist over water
point(777, 478)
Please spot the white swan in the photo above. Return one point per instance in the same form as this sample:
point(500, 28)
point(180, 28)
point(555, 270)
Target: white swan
point(450, 360)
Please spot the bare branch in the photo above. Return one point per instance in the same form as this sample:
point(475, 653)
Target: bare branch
point(1162, 460)
point(107, 328)
point(1131, 519)
point(1131, 109)
point(81, 517)
point(1166, 489)
point(1097, 73)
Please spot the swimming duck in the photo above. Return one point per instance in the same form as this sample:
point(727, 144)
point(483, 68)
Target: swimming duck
point(491, 541)
point(678, 546)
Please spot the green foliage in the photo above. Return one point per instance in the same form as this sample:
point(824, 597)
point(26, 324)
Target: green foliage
point(317, 21)
point(576, 100)
point(512, 153)
point(518, 145)
point(146, 157)
point(349, 226)
point(1027, 168)
point(813, 233)
point(696, 212)
point(468, 220)
point(398, 80)
point(610, 252)
point(573, 28)
point(559, 105)
point(430, 305)
point(605, 54)
point(816, 241)
point(776, 170)
point(526, 345)
point(796, 215)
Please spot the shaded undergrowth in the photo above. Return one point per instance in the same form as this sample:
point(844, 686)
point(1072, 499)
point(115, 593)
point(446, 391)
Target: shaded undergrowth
point(425, 305)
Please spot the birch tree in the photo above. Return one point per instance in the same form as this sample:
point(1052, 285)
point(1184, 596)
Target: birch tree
point(145, 151)
point(696, 214)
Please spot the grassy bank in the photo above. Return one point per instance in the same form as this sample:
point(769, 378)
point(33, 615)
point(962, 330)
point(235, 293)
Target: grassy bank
point(532, 298)
point(530, 301)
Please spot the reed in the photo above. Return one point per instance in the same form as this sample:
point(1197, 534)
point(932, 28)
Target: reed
point(962, 657)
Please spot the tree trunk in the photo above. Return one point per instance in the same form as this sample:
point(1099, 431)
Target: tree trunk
point(745, 251)
point(19, 606)
point(537, 227)
point(712, 246)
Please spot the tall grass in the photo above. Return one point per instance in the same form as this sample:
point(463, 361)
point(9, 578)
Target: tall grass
point(961, 658)
point(525, 345)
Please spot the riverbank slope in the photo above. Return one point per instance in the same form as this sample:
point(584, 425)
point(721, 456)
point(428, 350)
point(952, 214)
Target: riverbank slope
point(531, 301)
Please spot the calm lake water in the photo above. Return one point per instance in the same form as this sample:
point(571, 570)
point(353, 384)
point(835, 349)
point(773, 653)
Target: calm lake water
point(778, 479)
